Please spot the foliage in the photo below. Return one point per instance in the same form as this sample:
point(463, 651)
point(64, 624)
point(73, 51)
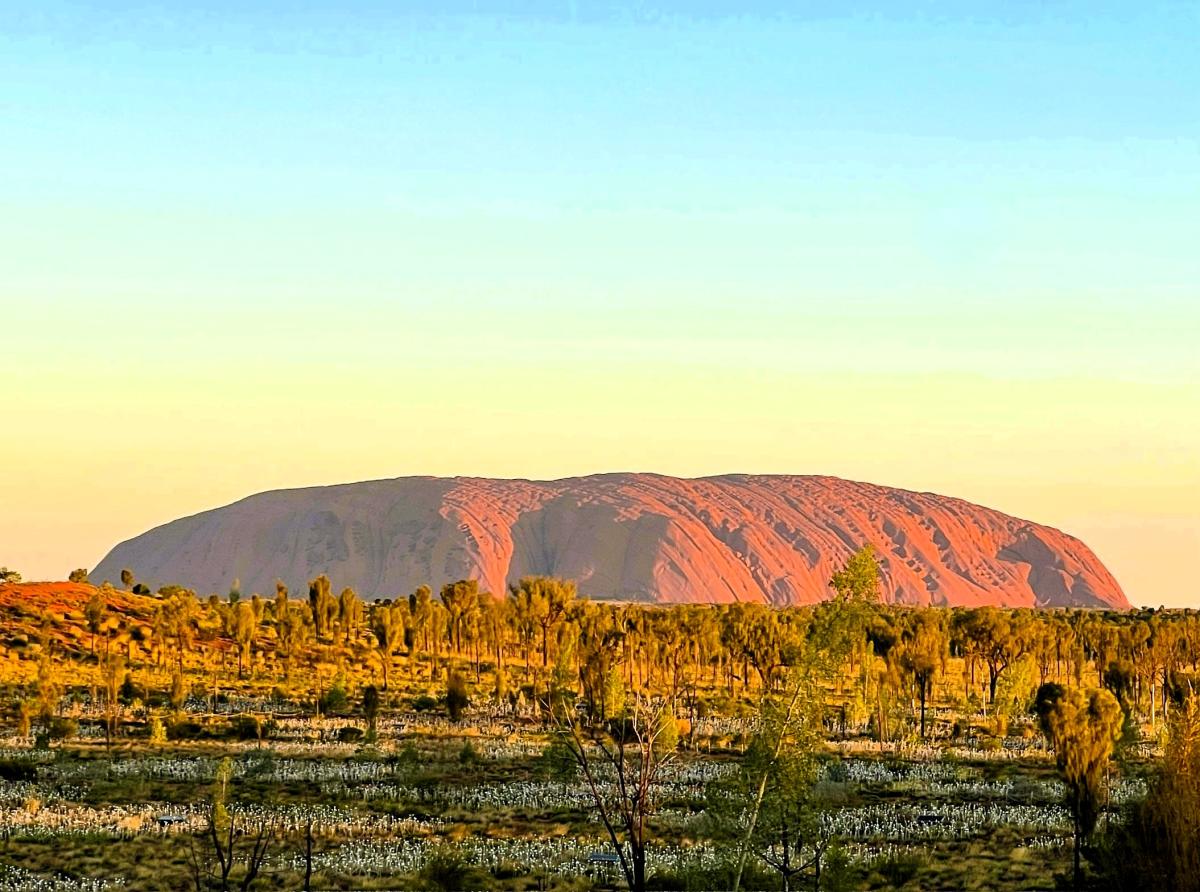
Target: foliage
point(1082, 728)
point(457, 698)
point(1157, 844)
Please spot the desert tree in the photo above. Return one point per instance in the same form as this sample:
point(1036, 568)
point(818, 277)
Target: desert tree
point(388, 625)
point(350, 614)
point(460, 599)
point(292, 633)
point(322, 605)
point(1082, 728)
point(93, 613)
point(127, 578)
point(766, 807)
point(230, 844)
point(1157, 844)
point(281, 599)
point(923, 652)
point(112, 671)
point(245, 627)
point(370, 706)
point(995, 637)
point(79, 575)
point(622, 762)
point(543, 600)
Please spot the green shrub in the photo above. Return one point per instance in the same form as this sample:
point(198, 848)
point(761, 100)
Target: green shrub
point(248, 727)
point(61, 728)
point(445, 870)
point(185, 729)
point(457, 699)
point(899, 868)
point(12, 770)
point(424, 703)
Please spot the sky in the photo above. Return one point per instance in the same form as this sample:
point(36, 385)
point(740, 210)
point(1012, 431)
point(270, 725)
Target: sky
point(942, 246)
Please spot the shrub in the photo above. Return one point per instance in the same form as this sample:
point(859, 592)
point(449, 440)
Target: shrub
point(425, 703)
point(12, 770)
point(335, 699)
point(899, 868)
point(185, 729)
point(248, 727)
point(350, 734)
point(445, 870)
point(468, 755)
point(158, 733)
point(457, 699)
point(61, 728)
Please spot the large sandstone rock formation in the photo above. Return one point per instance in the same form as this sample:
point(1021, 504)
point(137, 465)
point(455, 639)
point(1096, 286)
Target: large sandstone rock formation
point(632, 536)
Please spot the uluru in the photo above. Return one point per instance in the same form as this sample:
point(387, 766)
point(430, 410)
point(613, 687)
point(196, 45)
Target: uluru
point(760, 538)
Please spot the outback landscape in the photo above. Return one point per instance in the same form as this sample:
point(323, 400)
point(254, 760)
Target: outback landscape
point(616, 445)
point(305, 736)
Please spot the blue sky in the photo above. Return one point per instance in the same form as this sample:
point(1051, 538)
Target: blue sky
point(264, 211)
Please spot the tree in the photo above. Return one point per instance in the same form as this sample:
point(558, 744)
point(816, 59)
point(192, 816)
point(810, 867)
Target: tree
point(420, 607)
point(80, 575)
point(93, 614)
point(858, 579)
point(113, 672)
point(281, 599)
point(292, 634)
point(768, 807)
point(1082, 728)
point(127, 578)
point(622, 762)
point(175, 620)
point(370, 705)
point(994, 636)
point(322, 605)
point(1157, 844)
point(387, 622)
point(457, 698)
point(245, 626)
point(229, 842)
point(543, 600)
point(350, 613)
point(9, 577)
point(923, 652)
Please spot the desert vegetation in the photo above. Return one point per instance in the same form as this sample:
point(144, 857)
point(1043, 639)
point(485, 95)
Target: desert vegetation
point(537, 739)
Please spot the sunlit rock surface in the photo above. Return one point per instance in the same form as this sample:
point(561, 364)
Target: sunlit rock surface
point(767, 538)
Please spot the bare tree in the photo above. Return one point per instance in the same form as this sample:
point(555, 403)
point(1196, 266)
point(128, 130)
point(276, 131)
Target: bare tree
point(622, 762)
point(227, 843)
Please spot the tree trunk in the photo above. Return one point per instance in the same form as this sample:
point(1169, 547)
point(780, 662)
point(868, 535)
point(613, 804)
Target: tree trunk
point(922, 708)
point(639, 867)
point(1078, 843)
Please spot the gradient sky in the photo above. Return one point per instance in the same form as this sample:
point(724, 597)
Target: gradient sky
point(956, 248)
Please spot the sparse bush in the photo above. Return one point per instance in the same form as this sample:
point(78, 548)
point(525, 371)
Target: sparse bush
point(899, 868)
point(60, 728)
point(335, 699)
point(249, 727)
point(12, 770)
point(457, 698)
point(445, 871)
point(185, 729)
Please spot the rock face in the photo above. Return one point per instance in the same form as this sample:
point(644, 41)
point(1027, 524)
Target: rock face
point(775, 539)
